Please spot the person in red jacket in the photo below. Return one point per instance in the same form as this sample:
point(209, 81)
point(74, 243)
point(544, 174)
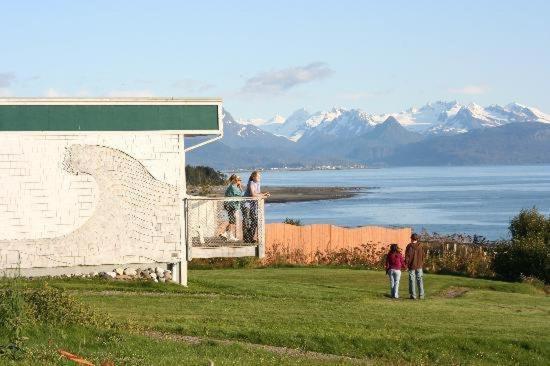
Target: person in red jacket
point(394, 264)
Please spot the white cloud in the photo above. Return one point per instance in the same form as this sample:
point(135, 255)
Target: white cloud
point(130, 93)
point(278, 81)
point(192, 85)
point(6, 79)
point(470, 90)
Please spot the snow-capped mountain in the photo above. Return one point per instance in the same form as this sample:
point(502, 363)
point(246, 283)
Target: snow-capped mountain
point(474, 116)
point(338, 122)
point(292, 127)
point(239, 135)
point(513, 134)
point(423, 118)
point(441, 117)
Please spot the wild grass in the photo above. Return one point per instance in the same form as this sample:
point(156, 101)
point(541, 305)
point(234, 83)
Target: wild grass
point(342, 312)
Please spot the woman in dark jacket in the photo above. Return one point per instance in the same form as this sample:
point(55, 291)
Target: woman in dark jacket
point(394, 264)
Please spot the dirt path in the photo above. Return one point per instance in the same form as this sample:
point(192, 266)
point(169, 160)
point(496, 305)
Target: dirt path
point(284, 351)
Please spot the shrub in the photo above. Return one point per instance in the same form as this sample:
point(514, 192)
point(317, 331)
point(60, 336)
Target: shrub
point(204, 176)
point(24, 308)
point(290, 221)
point(12, 319)
point(528, 253)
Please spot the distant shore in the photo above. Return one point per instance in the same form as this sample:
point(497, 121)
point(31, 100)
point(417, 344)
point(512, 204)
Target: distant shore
point(296, 194)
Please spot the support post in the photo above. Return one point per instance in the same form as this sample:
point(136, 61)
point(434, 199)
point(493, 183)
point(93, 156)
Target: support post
point(261, 233)
point(182, 192)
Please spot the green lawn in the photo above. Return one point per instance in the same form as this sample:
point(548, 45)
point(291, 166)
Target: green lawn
point(341, 312)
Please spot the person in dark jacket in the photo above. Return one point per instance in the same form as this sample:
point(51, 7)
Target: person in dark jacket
point(414, 259)
point(394, 264)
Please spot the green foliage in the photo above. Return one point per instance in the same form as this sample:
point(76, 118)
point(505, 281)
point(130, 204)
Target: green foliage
point(204, 176)
point(528, 253)
point(50, 305)
point(12, 320)
point(291, 221)
point(458, 254)
point(22, 309)
point(532, 225)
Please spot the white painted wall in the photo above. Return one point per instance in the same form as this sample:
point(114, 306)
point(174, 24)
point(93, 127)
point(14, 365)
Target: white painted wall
point(49, 216)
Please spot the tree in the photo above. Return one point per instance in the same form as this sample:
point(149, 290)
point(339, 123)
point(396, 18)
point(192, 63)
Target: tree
point(528, 253)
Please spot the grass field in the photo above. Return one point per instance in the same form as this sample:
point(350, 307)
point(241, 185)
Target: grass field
point(270, 316)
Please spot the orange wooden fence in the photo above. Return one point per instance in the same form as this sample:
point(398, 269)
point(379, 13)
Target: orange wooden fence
point(327, 238)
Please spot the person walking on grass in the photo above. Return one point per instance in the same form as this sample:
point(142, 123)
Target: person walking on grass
point(394, 264)
point(228, 230)
point(414, 259)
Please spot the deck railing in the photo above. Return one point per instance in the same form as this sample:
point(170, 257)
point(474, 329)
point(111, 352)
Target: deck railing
point(224, 227)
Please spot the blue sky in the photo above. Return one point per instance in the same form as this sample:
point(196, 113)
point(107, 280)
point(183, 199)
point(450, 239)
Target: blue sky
point(273, 57)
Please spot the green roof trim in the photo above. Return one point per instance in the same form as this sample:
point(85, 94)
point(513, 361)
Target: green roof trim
point(109, 117)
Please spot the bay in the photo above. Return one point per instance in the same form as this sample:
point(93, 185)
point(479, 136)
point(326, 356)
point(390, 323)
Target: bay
point(472, 200)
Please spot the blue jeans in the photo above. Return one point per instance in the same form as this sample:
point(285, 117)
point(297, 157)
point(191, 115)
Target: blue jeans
point(415, 278)
point(395, 276)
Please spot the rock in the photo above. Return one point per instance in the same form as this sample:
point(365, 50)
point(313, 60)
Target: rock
point(168, 276)
point(160, 274)
point(119, 271)
point(124, 277)
point(155, 280)
point(159, 270)
point(93, 274)
point(145, 273)
point(130, 272)
point(107, 275)
point(153, 275)
point(162, 279)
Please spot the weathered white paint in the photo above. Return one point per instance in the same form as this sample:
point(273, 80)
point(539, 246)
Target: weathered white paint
point(89, 200)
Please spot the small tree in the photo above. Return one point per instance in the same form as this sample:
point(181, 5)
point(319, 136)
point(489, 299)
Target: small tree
point(290, 221)
point(528, 253)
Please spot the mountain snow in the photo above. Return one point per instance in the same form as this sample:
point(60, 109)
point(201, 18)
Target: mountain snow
point(440, 117)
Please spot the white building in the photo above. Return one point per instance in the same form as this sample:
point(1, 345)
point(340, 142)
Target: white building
point(87, 184)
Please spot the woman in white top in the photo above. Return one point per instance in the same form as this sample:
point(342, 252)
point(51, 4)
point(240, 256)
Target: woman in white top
point(250, 209)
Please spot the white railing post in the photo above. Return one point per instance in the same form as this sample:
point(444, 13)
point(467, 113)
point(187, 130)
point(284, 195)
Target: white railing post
point(261, 228)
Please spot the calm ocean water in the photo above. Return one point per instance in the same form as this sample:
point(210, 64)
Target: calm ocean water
point(473, 200)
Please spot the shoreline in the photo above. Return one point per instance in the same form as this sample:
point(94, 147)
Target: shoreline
point(295, 194)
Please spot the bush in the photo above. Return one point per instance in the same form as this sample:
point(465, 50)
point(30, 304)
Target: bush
point(290, 221)
point(458, 254)
point(22, 309)
point(204, 176)
point(528, 253)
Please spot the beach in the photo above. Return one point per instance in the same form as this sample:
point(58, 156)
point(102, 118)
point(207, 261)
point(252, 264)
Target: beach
point(293, 194)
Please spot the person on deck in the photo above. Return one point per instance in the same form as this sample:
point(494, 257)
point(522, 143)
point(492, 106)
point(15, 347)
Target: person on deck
point(250, 208)
point(414, 259)
point(394, 264)
point(226, 230)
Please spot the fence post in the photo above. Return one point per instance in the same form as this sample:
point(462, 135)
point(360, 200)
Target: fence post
point(260, 251)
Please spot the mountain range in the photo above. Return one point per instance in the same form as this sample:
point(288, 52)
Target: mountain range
point(439, 133)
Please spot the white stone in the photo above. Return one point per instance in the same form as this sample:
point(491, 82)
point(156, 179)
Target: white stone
point(130, 272)
point(119, 271)
point(162, 279)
